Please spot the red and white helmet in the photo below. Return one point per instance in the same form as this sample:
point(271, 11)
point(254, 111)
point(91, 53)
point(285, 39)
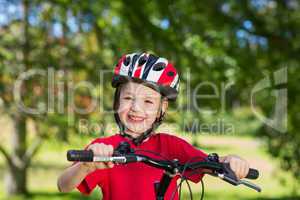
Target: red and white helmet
point(154, 71)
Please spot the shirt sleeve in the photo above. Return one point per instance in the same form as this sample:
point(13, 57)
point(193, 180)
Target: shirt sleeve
point(98, 177)
point(185, 152)
point(93, 179)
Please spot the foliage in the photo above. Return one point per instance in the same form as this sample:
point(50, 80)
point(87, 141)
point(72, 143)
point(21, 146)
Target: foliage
point(231, 45)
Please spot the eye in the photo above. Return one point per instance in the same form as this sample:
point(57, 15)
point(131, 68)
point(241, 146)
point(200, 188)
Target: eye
point(127, 98)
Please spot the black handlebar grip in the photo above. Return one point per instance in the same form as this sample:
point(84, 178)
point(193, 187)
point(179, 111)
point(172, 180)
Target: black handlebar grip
point(252, 174)
point(80, 155)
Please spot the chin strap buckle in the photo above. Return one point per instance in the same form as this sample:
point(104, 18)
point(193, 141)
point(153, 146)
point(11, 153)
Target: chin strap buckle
point(137, 141)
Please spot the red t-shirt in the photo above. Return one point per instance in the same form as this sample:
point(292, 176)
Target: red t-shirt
point(136, 180)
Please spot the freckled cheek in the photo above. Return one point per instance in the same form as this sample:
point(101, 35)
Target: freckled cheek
point(124, 107)
point(151, 115)
point(152, 110)
point(122, 111)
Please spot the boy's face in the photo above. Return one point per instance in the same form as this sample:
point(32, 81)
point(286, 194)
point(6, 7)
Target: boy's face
point(139, 107)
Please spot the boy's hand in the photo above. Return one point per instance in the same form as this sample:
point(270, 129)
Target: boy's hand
point(238, 165)
point(99, 149)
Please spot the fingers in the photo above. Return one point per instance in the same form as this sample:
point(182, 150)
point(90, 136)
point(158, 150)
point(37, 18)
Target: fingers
point(238, 165)
point(110, 164)
point(235, 167)
point(246, 169)
point(101, 149)
point(100, 165)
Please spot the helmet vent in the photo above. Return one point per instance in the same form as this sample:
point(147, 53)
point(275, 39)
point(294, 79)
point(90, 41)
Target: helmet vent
point(170, 73)
point(142, 60)
point(159, 66)
point(127, 61)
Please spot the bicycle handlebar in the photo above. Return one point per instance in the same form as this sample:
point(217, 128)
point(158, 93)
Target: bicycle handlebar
point(88, 156)
point(124, 154)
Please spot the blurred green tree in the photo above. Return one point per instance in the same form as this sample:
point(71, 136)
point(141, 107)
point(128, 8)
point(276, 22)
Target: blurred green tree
point(218, 41)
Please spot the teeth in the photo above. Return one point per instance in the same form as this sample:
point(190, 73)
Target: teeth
point(136, 118)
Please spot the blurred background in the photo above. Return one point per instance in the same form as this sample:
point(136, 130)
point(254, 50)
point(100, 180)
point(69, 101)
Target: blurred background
point(239, 62)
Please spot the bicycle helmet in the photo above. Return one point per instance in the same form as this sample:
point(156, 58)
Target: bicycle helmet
point(153, 71)
point(156, 72)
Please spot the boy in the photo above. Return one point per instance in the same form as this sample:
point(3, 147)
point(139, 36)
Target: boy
point(144, 85)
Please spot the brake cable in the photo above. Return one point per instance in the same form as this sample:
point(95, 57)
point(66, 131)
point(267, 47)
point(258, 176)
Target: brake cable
point(184, 178)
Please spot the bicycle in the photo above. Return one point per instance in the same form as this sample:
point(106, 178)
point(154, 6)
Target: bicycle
point(124, 154)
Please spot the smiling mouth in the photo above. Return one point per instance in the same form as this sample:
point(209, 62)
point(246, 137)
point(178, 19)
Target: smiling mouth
point(135, 118)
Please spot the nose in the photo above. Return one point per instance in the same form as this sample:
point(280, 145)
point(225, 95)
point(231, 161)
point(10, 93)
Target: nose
point(135, 106)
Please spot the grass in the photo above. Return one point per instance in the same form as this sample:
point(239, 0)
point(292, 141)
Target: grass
point(276, 184)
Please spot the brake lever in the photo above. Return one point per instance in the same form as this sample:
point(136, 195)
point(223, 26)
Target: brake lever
point(226, 173)
point(229, 176)
point(250, 185)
